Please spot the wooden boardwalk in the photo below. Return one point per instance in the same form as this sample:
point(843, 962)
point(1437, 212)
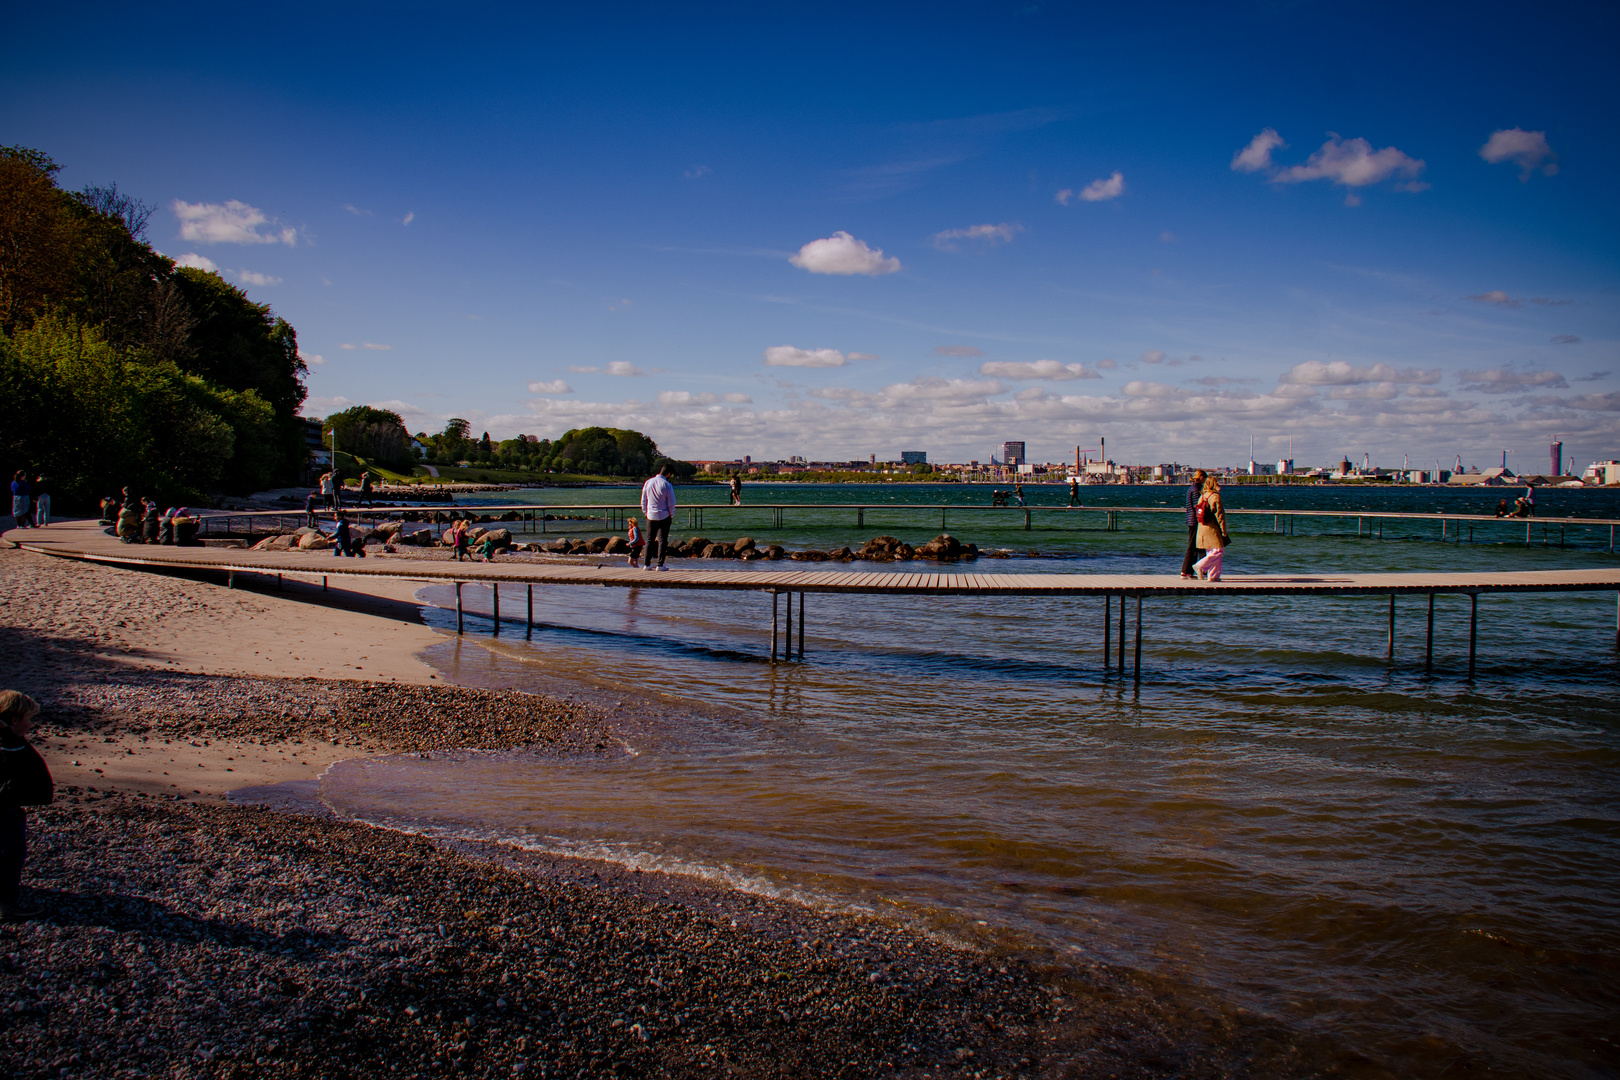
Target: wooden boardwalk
point(88, 541)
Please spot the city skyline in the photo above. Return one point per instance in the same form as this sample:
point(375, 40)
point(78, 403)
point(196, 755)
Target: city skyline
point(779, 233)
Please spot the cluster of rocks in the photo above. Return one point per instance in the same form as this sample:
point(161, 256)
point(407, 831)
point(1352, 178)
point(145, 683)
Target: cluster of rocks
point(942, 548)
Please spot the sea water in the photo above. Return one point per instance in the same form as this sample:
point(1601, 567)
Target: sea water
point(1280, 819)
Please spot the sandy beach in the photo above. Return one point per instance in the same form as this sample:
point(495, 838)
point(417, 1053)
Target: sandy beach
point(189, 936)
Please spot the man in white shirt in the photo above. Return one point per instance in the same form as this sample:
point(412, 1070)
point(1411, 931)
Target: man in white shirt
point(658, 507)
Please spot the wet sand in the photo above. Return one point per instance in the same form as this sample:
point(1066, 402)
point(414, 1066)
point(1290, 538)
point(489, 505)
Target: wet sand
point(188, 936)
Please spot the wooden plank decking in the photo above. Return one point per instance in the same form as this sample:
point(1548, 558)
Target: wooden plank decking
point(86, 540)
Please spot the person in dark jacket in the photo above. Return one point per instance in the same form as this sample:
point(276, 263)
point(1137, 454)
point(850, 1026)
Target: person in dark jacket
point(24, 781)
point(22, 499)
point(152, 524)
point(343, 539)
point(1194, 552)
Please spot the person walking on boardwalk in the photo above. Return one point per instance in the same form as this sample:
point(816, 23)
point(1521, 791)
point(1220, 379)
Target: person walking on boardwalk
point(1195, 491)
point(1212, 535)
point(1074, 491)
point(24, 781)
point(1529, 500)
point(328, 491)
point(365, 489)
point(21, 497)
point(42, 501)
point(736, 489)
point(658, 507)
point(1018, 493)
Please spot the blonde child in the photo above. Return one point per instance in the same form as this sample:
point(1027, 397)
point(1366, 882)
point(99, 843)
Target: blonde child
point(1212, 535)
point(636, 542)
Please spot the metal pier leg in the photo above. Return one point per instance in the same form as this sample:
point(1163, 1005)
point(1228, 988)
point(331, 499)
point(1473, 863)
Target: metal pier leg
point(1026, 521)
point(1428, 648)
point(774, 606)
point(1473, 629)
point(528, 632)
point(495, 588)
point(1527, 534)
point(1391, 655)
point(230, 579)
point(860, 517)
point(1136, 677)
point(1122, 633)
point(787, 642)
point(278, 583)
point(801, 626)
point(323, 583)
point(1108, 630)
point(458, 607)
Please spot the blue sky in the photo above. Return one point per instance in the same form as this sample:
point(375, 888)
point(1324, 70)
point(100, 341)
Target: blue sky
point(835, 230)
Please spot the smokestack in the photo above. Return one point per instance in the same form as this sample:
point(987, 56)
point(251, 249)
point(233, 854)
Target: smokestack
point(1558, 458)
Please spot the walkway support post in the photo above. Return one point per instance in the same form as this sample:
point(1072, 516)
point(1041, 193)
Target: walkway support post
point(528, 632)
point(230, 579)
point(801, 626)
point(1122, 633)
point(1391, 654)
point(774, 606)
point(495, 589)
point(787, 641)
point(458, 607)
point(1108, 629)
point(1136, 677)
point(1428, 648)
point(1473, 629)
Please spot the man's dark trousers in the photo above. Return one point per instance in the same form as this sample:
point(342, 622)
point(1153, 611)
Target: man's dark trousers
point(1194, 552)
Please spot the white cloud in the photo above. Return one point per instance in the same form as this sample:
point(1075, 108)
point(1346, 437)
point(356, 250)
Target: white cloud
point(1341, 373)
point(1354, 163)
point(233, 222)
point(356, 211)
point(1609, 402)
point(1526, 149)
point(841, 253)
point(1565, 339)
point(1169, 237)
point(253, 277)
point(199, 262)
point(621, 368)
point(1096, 191)
point(1502, 299)
point(1506, 381)
point(372, 345)
point(686, 397)
point(863, 356)
point(1107, 363)
point(555, 386)
point(957, 350)
point(987, 234)
point(789, 356)
point(1140, 388)
point(410, 216)
point(697, 171)
point(1050, 370)
point(314, 359)
point(1103, 190)
point(1159, 356)
point(1256, 157)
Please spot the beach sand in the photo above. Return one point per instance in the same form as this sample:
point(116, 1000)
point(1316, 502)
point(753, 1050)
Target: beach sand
point(189, 936)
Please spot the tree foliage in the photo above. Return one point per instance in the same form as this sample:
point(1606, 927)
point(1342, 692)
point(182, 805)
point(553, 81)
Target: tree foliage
point(593, 451)
point(205, 384)
point(374, 434)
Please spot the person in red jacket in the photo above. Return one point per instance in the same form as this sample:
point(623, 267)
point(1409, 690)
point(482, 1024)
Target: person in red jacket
point(24, 781)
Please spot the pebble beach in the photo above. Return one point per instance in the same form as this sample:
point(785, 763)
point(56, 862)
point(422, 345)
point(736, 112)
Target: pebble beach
point(189, 935)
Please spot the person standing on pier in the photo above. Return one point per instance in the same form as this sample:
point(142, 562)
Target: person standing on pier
point(658, 507)
point(1194, 491)
point(1212, 535)
point(21, 496)
point(42, 501)
point(1529, 500)
point(1074, 491)
point(736, 489)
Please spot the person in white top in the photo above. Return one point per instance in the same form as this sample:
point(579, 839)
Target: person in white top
point(658, 505)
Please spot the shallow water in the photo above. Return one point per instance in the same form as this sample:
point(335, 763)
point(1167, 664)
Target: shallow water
point(1422, 866)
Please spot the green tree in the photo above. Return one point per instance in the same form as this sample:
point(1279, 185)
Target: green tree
point(374, 434)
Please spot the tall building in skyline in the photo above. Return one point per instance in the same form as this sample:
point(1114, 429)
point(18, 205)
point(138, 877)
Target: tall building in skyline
point(913, 457)
point(1012, 453)
point(1557, 459)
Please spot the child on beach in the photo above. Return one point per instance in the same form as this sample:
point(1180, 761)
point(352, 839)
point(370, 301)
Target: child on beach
point(24, 781)
point(460, 540)
point(636, 542)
